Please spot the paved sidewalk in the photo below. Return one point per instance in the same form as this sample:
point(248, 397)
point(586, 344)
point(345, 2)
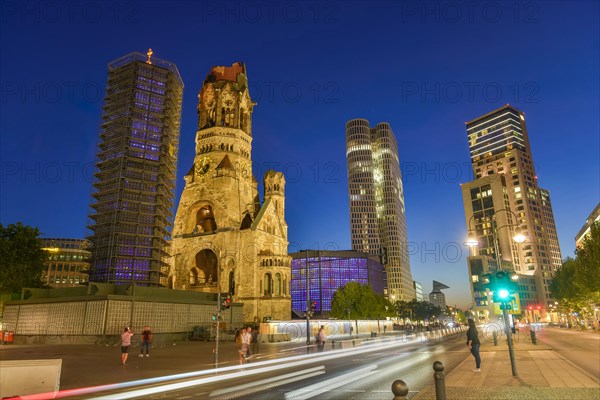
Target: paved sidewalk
point(541, 374)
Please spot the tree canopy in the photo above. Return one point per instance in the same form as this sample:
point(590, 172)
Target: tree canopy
point(576, 284)
point(417, 310)
point(356, 301)
point(21, 258)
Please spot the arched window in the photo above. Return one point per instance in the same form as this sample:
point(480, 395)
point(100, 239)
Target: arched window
point(277, 285)
point(231, 283)
point(229, 117)
point(206, 267)
point(268, 284)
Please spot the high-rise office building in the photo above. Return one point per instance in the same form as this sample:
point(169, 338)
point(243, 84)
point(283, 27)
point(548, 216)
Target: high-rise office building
point(135, 171)
point(584, 232)
point(505, 200)
point(377, 213)
point(437, 297)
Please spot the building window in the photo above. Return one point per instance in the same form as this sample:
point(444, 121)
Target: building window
point(277, 285)
point(268, 285)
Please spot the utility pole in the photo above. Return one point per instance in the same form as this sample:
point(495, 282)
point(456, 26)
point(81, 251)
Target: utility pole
point(217, 335)
point(511, 351)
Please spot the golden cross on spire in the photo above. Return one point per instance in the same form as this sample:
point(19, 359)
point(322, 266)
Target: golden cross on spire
point(149, 54)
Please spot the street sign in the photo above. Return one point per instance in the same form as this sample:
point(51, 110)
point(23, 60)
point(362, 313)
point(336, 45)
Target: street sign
point(513, 306)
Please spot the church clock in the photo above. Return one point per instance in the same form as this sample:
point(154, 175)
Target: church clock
point(203, 166)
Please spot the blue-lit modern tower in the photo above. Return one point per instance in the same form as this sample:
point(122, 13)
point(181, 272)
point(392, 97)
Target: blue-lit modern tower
point(135, 171)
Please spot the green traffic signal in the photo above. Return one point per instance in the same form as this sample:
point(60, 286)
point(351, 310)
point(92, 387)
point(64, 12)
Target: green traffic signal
point(502, 287)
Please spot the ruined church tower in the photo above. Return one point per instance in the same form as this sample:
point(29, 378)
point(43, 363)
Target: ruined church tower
point(224, 238)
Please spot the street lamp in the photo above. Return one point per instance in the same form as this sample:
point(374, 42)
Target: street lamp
point(308, 302)
point(473, 242)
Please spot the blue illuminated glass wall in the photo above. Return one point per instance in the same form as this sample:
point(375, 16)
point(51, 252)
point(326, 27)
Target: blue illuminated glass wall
point(328, 273)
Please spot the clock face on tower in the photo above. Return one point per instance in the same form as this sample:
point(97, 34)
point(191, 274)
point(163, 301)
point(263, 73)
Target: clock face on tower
point(203, 166)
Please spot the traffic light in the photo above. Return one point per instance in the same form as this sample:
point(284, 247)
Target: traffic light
point(226, 303)
point(502, 287)
point(312, 306)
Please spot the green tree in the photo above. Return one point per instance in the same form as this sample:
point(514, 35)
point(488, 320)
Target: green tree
point(416, 310)
point(588, 258)
point(564, 285)
point(424, 310)
point(356, 301)
point(403, 309)
point(21, 258)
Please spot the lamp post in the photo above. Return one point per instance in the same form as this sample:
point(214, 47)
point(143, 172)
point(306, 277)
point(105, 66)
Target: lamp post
point(218, 313)
point(473, 242)
point(307, 300)
point(505, 298)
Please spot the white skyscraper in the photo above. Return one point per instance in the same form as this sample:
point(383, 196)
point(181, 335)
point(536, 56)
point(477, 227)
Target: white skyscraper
point(377, 213)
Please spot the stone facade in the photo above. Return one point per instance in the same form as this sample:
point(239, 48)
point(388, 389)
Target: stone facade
point(224, 238)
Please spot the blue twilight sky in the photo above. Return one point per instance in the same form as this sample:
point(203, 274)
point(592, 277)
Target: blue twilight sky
point(424, 67)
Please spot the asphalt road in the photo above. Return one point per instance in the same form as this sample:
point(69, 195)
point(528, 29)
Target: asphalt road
point(581, 348)
point(365, 372)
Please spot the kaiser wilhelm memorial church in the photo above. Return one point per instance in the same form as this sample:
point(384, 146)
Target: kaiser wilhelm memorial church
point(224, 238)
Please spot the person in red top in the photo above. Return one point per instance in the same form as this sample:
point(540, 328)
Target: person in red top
point(146, 340)
point(125, 343)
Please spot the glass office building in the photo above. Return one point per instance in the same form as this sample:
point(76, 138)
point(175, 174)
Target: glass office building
point(328, 271)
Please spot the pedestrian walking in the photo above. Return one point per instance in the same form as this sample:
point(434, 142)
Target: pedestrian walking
point(254, 341)
point(321, 338)
point(125, 343)
point(473, 343)
point(146, 341)
point(247, 340)
point(239, 342)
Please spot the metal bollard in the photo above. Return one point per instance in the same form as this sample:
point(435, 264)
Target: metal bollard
point(439, 377)
point(533, 337)
point(400, 390)
point(495, 336)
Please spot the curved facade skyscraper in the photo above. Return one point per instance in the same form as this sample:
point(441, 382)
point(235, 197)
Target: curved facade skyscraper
point(377, 213)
